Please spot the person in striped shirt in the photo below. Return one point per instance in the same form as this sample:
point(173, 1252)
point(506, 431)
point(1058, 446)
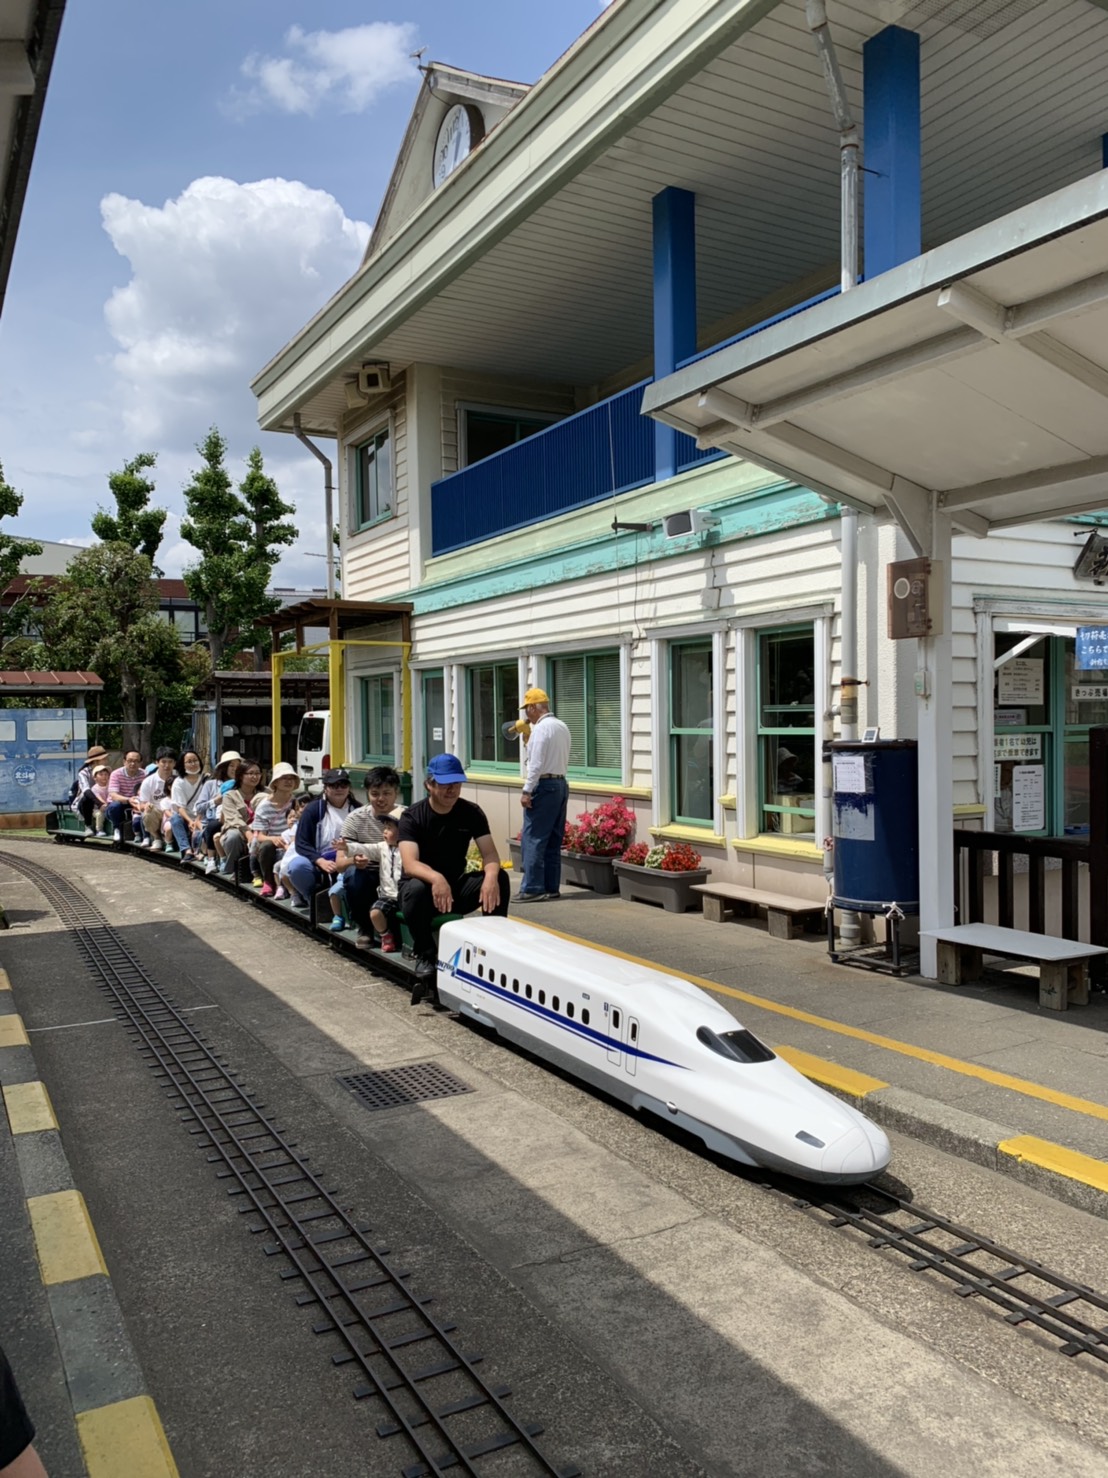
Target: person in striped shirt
point(123, 802)
point(271, 815)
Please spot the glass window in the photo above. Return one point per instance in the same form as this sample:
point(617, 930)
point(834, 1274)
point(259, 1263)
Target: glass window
point(493, 699)
point(690, 732)
point(379, 719)
point(373, 479)
point(585, 694)
point(787, 730)
point(433, 692)
point(1084, 706)
point(1023, 742)
point(487, 432)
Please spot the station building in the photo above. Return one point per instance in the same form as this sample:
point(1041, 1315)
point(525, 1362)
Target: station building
point(652, 370)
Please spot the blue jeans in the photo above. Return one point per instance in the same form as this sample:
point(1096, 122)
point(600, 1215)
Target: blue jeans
point(182, 833)
point(122, 819)
point(544, 824)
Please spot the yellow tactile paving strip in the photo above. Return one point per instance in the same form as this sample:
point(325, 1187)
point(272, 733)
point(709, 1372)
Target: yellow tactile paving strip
point(64, 1237)
point(1055, 1157)
point(12, 1032)
point(29, 1108)
point(830, 1074)
point(125, 1438)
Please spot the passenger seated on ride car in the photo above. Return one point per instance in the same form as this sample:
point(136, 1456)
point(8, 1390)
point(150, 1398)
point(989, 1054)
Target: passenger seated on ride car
point(154, 796)
point(362, 833)
point(271, 816)
point(317, 833)
point(390, 867)
point(214, 820)
point(189, 798)
point(123, 801)
point(80, 799)
point(99, 792)
point(288, 837)
point(237, 812)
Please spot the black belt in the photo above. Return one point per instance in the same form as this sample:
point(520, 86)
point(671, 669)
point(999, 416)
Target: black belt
point(551, 776)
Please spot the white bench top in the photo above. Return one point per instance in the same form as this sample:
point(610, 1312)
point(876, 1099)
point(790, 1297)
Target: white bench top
point(757, 895)
point(991, 937)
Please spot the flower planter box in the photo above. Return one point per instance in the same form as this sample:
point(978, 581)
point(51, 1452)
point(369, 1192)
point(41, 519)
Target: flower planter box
point(586, 871)
point(673, 890)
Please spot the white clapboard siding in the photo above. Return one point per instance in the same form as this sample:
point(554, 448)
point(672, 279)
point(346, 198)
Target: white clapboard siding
point(376, 561)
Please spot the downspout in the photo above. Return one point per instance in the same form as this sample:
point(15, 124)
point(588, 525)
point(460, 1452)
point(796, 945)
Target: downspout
point(849, 150)
point(328, 502)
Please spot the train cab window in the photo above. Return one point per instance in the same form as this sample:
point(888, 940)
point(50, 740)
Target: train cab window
point(554, 1003)
point(615, 1021)
point(584, 1016)
point(569, 1009)
point(515, 986)
point(739, 1046)
point(527, 992)
point(542, 998)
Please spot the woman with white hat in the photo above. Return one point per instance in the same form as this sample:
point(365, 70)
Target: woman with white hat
point(271, 818)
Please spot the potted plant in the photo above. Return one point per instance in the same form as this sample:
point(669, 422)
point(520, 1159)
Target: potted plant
point(663, 874)
point(594, 841)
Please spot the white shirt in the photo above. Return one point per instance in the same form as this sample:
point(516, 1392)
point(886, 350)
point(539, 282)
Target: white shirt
point(547, 751)
point(330, 826)
point(152, 792)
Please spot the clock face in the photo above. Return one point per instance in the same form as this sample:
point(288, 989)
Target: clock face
point(458, 132)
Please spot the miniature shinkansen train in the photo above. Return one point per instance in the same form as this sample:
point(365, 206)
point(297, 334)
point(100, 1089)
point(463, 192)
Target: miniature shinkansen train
point(656, 1042)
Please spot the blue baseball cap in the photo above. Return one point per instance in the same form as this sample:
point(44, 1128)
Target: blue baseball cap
point(445, 769)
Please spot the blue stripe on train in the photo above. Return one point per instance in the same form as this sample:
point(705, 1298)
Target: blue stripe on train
point(573, 1028)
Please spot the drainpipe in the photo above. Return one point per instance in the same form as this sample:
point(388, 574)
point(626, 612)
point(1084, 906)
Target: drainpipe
point(328, 502)
point(849, 149)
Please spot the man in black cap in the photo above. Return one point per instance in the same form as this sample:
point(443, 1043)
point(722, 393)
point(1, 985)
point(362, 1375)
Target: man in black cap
point(317, 835)
point(435, 835)
point(81, 797)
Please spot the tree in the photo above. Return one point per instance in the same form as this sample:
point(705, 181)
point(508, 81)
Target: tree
point(13, 552)
point(218, 529)
point(134, 524)
point(102, 616)
point(266, 510)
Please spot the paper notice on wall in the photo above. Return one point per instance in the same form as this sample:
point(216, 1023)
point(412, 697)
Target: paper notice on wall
point(1018, 746)
point(1020, 681)
point(436, 735)
point(1028, 798)
point(849, 774)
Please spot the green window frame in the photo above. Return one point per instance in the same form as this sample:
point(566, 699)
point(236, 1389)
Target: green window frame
point(786, 734)
point(492, 697)
point(586, 694)
point(432, 694)
point(378, 705)
point(373, 479)
point(691, 734)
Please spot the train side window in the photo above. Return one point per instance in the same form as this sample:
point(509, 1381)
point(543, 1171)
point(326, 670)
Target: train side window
point(615, 1021)
point(515, 986)
point(503, 981)
point(527, 992)
point(542, 998)
point(554, 1003)
point(584, 1016)
point(469, 956)
point(569, 1009)
point(634, 1031)
point(481, 971)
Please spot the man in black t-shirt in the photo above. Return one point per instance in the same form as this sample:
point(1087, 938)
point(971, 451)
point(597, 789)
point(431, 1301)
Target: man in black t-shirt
point(434, 838)
point(17, 1456)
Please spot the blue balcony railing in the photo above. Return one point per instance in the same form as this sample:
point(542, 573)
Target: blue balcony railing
point(599, 452)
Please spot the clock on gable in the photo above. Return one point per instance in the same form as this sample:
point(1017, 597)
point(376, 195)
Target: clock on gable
point(460, 131)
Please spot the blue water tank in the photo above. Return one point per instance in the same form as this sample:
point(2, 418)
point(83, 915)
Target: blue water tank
point(875, 801)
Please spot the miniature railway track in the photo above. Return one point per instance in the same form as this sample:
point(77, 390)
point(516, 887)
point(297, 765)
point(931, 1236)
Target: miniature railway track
point(400, 1352)
point(1027, 1292)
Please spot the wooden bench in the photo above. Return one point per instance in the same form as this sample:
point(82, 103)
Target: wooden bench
point(1063, 976)
point(785, 917)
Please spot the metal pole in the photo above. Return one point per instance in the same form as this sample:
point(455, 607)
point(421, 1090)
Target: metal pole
point(1098, 849)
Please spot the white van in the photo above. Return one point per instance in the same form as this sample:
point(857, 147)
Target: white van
point(313, 748)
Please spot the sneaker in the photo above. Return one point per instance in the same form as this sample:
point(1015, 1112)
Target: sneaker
point(156, 845)
point(301, 904)
point(259, 882)
point(209, 867)
point(338, 924)
point(117, 835)
point(267, 891)
point(425, 971)
point(531, 897)
point(89, 832)
point(280, 895)
point(187, 857)
point(389, 945)
point(145, 842)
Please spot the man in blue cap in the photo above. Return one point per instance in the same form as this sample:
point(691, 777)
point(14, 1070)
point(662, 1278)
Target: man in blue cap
point(435, 835)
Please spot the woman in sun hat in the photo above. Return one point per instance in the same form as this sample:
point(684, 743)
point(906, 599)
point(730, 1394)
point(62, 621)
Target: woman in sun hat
point(80, 800)
point(271, 817)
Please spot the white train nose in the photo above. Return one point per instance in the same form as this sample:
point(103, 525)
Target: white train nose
point(857, 1154)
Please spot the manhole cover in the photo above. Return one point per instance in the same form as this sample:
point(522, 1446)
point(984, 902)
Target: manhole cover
point(414, 1083)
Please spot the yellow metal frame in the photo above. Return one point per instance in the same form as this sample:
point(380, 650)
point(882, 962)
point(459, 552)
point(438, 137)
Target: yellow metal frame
point(336, 675)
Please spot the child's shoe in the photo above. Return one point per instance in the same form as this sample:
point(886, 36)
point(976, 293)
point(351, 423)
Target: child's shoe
point(389, 945)
point(267, 891)
point(279, 896)
point(259, 882)
point(338, 924)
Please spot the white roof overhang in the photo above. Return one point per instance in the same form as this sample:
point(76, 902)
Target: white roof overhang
point(972, 379)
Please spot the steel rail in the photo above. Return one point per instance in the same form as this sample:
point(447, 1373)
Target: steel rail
point(125, 980)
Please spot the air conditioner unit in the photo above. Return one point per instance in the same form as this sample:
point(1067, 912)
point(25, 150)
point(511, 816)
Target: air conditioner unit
point(691, 521)
point(374, 379)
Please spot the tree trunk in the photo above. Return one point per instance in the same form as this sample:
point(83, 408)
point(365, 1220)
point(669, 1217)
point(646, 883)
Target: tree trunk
point(216, 639)
point(132, 729)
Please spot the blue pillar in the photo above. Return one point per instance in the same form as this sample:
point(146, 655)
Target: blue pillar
point(891, 125)
point(674, 302)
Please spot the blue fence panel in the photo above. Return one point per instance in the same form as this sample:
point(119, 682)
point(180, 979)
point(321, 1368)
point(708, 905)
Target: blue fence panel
point(690, 455)
point(602, 451)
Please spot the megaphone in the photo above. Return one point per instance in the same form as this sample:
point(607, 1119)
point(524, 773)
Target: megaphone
point(516, 728)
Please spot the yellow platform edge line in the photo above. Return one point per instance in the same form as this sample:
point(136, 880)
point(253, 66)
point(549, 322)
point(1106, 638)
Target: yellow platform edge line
point(1024, 1086)
point(125, 1438)
point(12, 1032)
point(29, 1108)
point(830, 1074)
point(64, 1238)
point(1070, 1163)
point(5, 983)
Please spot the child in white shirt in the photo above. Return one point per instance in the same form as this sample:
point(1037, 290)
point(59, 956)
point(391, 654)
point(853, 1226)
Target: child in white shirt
point(387, 854)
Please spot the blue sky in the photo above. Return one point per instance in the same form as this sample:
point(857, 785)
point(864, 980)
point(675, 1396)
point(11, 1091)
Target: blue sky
point(205, 178)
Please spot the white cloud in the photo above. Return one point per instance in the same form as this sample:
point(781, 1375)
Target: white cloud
point(348, 68)
point(221, 277)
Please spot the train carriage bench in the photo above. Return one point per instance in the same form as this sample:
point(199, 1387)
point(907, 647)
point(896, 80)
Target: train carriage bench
point(1063, 972)
point(786, 918)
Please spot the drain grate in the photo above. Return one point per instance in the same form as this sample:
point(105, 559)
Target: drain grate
point(414, 1083)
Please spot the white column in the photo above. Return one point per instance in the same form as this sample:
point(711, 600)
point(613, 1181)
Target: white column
point(935, 704)
point(423, 449)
